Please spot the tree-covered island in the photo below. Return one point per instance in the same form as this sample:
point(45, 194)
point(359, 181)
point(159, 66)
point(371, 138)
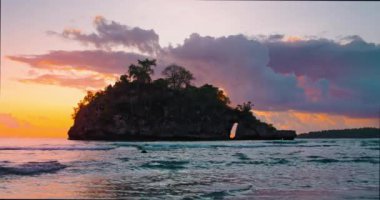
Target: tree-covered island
point(137, 108)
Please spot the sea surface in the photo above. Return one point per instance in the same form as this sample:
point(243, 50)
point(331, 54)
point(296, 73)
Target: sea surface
point(299, 169)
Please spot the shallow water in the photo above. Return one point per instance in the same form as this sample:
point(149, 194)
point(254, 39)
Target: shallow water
point(299, 169)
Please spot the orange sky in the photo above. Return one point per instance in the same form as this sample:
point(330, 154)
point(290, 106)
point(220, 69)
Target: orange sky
point(305, 122)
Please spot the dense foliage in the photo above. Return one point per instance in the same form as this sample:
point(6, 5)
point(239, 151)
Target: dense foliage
point(137, 107)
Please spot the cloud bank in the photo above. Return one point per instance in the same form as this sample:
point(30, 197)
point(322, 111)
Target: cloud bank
point(276, 72)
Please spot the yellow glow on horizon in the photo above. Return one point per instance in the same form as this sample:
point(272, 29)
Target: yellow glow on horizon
point(293, 39)
point(44, 110)
point(306, 121)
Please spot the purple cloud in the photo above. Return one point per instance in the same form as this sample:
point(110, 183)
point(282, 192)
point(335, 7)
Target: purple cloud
point(239, 65)
point(110, 34)
point(351, 71)
point(313, 75)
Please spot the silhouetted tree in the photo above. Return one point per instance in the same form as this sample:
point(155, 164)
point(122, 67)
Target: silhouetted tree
point(177, 76)
point(223, 97)
point(246, 107)
point(84, 102)
point(124, 78)
point(141, 72)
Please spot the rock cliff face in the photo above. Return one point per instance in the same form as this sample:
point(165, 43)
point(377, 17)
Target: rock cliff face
point(155, 110)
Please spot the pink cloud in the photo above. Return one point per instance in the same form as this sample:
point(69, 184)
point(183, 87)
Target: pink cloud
point(110, 34)
point(94, 60)
point(85, 83)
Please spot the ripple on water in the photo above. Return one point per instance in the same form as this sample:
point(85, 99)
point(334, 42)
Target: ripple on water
point(215, 195)
point(57, 148)
point(251, 162)
point(374, 148)
point(280, 161)
point(370, 143)
point(125, 159)
point(241, 156)
point(271, 162)
point(365, 159)
point(165, 165)
point(32, 168)
point(287, 142)
point(323, 160)
point(227, 190)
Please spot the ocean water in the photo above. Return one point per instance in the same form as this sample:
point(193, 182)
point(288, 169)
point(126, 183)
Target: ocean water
point(299, 169)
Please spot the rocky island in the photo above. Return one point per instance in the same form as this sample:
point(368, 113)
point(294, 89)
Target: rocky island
point(137, 108)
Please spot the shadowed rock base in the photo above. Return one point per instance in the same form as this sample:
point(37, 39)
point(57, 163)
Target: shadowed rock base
point(276, 135)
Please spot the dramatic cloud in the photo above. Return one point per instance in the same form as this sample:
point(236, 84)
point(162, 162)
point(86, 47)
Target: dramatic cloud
point(244, 68)
point(110, 34)
point(322, 58)
point(275, 72)
point(346, 73)
point(238, 65)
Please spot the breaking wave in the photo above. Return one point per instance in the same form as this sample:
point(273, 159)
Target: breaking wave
point(165, 164)
point(32, 168)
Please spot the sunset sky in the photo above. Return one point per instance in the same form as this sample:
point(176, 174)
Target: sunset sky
point(305, 65)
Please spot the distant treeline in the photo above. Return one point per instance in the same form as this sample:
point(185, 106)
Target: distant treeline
point(344, 133)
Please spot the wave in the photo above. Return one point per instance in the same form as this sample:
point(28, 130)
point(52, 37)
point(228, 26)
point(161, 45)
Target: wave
point(231, 191)
point(165, 164)
point(165, 147)
point(364, 159)
point(241, 156)
point(55, 148)
point(324, 160)
point(287, 142)
point(370, 143)
point(125, 159)
point(271, 162)
point(32, 168)
point(153, 146)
